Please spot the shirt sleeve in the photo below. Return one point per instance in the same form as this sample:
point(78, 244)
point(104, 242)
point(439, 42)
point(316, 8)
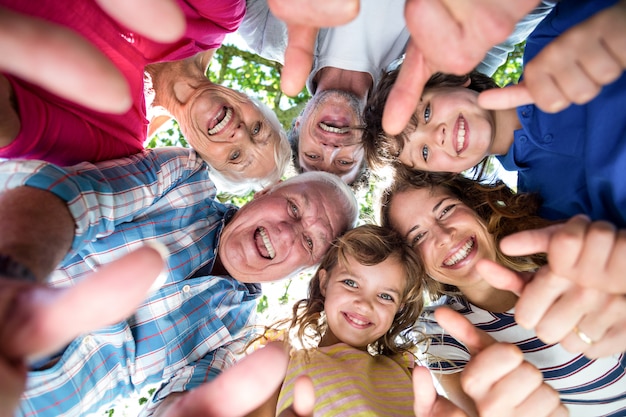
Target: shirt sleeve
point(497, 55)
point(103, 195)
point(192, 376)
point(199, 372)
point(264, 34)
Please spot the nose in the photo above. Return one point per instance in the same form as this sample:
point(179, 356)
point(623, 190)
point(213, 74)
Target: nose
point(443, 235)
point(363, 303)
point(240, 132)
point(437, 135)
point(329, 150)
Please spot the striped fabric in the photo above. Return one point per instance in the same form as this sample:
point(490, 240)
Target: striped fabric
point(189, 329)
point(351, 382)
point(587, 387)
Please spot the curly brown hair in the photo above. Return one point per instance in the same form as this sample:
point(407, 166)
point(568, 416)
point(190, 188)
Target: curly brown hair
point(503, 211)
point(368, 245)
point(382, 149)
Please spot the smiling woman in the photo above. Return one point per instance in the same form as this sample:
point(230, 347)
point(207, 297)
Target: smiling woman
point(239, 137)
point(455, 223)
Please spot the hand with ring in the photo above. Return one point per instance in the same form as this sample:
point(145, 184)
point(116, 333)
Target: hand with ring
point(555, 303)
point(582, 335)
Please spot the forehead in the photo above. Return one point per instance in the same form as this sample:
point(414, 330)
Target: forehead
point(319, 199)
point(421, 194)
point(394, 277)
point(259, 160)
point(408, 204)
point(316, 194)
point(444, 91)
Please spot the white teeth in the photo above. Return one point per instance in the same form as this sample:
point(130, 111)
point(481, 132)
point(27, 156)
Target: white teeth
point(218, 127)
point(267, 243)
point(460, 137)
point(461, 254)
point(333, 129)
point(357, 321)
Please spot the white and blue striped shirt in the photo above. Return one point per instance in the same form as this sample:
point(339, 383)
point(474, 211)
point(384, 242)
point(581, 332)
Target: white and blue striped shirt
point(588, 387)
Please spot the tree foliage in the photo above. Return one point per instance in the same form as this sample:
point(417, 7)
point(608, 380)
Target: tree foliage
point(257, 77)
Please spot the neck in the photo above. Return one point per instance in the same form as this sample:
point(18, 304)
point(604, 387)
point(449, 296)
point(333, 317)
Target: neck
point(506, 123)
point(329, 339)
point(356, 82)
point(218, 267)
point(174, 81)
point(489, 298)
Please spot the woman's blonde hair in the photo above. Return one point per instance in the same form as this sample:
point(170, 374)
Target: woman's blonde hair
point(368, 245)
point(503, 211)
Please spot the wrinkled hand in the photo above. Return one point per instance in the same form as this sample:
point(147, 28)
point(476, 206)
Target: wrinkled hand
point(36, 320)
point(464, 30)
point(66, 64)
point(497, 377)
point(572, 290)
point(304, 18)
point(572, 68)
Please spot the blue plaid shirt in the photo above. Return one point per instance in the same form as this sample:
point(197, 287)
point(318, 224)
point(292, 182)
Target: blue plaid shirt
point(188, 330)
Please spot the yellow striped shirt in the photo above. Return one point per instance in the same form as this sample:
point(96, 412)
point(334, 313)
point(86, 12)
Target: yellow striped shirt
point(351, 382)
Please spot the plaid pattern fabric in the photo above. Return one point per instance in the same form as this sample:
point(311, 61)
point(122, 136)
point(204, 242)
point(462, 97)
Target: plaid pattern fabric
point(189, 329)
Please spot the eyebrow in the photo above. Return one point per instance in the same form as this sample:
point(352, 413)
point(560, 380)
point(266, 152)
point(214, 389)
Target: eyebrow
point(435, 208)
point(388, 289)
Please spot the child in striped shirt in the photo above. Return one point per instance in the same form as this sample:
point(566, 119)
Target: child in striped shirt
point(364, 295)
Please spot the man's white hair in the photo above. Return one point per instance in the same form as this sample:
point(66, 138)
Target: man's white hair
point(346, 200)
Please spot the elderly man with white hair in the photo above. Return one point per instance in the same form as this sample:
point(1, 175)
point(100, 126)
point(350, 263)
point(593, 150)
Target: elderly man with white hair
point(62, 224)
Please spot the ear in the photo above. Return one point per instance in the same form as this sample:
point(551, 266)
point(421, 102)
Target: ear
point(296, 125)
point(323, 276)
point(467, 83)
point(183, 91)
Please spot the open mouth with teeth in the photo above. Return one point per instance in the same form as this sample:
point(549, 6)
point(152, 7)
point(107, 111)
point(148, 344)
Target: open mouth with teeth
point(356, 321)
point(263, 243)
point(220, 121)
point(461, 254)
point(327, 127)
point(460, 135)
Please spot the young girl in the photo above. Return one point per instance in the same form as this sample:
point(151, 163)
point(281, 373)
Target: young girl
point(574, 159)
point(365, 294)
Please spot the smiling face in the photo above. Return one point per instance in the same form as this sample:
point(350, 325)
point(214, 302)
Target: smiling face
point(453, 133)
point(282, 231)
point(230, 132)
point(448, 234)
point(361, 301)
point(329, 135)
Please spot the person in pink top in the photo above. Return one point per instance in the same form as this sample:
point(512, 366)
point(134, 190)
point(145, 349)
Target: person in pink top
point(240, 138)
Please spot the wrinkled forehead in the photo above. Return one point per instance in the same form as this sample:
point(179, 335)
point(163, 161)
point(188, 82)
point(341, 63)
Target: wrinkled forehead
point(322, 199)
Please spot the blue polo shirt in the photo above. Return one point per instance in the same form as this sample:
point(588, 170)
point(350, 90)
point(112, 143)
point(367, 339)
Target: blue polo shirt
point(574, 159)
